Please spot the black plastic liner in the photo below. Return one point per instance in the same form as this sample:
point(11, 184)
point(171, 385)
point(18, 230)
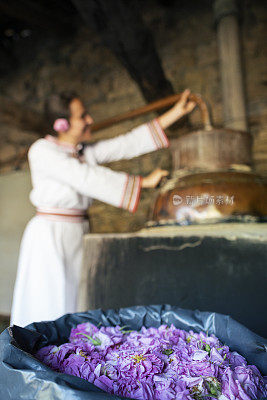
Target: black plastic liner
point(22, 376)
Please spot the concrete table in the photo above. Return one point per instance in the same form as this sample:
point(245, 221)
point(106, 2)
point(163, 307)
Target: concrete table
point(220, 267)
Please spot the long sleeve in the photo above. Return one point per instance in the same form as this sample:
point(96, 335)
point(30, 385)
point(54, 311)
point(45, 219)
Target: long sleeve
point(141, 140)
point(116, 188)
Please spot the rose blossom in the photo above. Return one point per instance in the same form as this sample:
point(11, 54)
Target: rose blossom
point(163, 363)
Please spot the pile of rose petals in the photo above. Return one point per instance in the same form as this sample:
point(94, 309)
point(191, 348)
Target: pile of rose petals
point(155, 363)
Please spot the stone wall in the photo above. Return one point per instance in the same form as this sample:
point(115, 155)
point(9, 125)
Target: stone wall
point(186, 42)
point(15, 212)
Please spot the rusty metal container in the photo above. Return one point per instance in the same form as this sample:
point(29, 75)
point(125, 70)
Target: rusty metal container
point(211, 197)
point(212, 179)
point(211, 148)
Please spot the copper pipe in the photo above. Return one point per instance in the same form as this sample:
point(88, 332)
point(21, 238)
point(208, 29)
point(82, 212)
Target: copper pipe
point(156, 105)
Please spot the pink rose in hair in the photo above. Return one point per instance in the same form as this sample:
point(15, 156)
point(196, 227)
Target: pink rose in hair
point(61, 125)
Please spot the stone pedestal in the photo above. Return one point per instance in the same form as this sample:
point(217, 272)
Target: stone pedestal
point(220, 267)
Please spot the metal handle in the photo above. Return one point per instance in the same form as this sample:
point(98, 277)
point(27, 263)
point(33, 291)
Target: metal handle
point(157, 105)
point(205, 114)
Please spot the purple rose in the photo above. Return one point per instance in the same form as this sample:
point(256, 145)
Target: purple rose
point(163, 363)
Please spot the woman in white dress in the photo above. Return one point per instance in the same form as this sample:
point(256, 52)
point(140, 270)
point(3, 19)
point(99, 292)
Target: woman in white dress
point(65, 182)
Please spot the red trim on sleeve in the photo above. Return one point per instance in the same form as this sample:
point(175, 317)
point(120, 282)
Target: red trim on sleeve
point(149, 124)
point(137, 200)
point(165, 137)
point(124, 191)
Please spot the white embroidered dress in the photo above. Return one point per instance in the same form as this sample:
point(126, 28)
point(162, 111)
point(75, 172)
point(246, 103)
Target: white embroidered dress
point(49, 266)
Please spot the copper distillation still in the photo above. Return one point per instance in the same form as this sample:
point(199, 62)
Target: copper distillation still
point(212, 178)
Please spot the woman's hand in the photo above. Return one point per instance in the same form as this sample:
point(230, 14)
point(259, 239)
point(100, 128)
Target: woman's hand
point(152, 180)
point(184, 106)
point(181, 108)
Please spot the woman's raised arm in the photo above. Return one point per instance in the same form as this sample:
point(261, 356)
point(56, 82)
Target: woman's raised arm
point(143, 139)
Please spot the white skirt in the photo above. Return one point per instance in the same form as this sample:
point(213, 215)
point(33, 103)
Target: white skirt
point(49, 270)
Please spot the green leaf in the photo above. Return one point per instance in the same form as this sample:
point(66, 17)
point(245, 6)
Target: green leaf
point(96, 342)
point(127, 331)
point(207, 348)
point(167, 352)
point(224, 357)
point(214, 387)
point(125, 326)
